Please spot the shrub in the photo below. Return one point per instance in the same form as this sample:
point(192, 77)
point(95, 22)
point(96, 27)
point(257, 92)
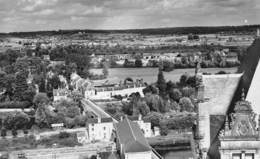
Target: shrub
point(14, 133)
point(221, 72)
point(3, 133)
point(68, 142)
point(81, 120)
point(14, 105)
point(63, 135)
point(69, 122)
point(25, 132)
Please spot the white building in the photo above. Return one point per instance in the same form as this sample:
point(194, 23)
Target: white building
point(108, 94)
point(100, 129)
point(145, 126)
point(60, 94)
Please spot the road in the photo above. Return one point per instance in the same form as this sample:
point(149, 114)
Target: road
point(90, 106)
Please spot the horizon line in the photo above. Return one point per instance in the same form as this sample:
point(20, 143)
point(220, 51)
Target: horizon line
point(132, 29)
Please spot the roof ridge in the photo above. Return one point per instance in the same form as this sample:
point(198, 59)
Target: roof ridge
point(127, 120)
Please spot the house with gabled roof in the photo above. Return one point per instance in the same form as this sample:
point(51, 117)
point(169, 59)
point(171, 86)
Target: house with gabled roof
point(100, 129)
point(131, 142)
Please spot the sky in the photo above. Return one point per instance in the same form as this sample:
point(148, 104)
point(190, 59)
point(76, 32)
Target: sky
point(35, 15)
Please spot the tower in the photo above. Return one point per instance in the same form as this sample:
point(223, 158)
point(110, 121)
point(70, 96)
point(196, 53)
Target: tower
point(241, 140)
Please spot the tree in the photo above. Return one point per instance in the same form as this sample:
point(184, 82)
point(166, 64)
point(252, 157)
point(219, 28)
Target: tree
point(161, 83)
point(191, 81)
point(168, 66)
point(170, 85)
point(183, 79)
point(43, 116)
point(154, 102)
point(21, 64)
point(20, 85)
point(9, 85)
point(29, 95)
point(54, 82)
point(142, 107)
point(175, 94)
point(186, 104)
point(19, 120)
point(138, 63)
point(67, 108)
point(2, 79)
point(40, 99)
point(105, 69)
point(154, 118)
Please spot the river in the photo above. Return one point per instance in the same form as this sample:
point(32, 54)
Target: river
point(149, 75)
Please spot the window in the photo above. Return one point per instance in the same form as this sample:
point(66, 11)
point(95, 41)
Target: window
point(249, 156)
point(104, 128)
point(236, 156)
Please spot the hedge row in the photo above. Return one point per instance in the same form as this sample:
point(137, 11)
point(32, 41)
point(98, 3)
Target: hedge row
point(14, 105)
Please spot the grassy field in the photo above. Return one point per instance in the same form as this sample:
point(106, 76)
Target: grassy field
point(149, 75)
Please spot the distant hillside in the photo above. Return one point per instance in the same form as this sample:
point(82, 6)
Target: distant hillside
point(175, 30)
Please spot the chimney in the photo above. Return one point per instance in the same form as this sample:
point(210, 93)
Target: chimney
point(139, 117)
point(99, 119)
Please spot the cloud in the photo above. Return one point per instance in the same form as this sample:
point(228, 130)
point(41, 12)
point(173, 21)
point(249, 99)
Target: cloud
point(27, 15)
point(31, 5)
point(44, 12)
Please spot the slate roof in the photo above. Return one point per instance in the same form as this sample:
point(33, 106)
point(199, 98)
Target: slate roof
point(254, 90)
point(218, 92)
point(131, 136)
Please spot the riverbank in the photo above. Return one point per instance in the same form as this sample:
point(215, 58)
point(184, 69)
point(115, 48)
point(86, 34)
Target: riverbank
point(173, 146)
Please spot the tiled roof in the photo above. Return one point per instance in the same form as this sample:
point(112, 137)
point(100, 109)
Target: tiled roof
point(131, 137)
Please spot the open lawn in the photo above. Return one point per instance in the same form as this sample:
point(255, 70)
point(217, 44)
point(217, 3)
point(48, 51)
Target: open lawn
point(149, 75)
